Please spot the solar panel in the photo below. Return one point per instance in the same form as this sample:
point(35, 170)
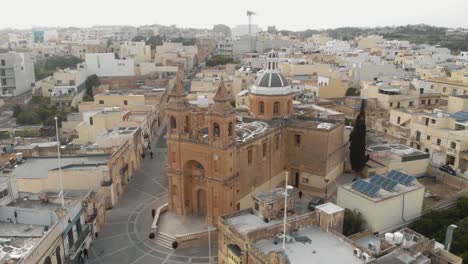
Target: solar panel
point(384, 182)
point(365, 187)
point(400, 177)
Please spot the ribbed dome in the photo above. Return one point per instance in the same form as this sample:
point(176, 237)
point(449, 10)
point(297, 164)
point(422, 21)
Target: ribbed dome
point(272, 79)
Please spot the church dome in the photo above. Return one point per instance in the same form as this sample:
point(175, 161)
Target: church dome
point(271, 81)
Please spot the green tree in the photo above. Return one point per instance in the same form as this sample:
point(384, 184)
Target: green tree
point(219, 60)
point(16, 110)
point(154, 41)
point(353, 222)
point(357, 153)
point(352, 91)
point(90, 83)
point(139, 38)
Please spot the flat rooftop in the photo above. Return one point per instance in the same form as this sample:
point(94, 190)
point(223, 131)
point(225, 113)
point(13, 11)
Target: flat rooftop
point(38, 168)
point(324, 248)
point(383, 194)
point(404, 152)
point(248, 222)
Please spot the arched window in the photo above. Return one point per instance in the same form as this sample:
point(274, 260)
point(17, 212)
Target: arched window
point(276, 108)
point(187, 124)
point(48, 261)
point(216, 130)
point(262, 107)
point(230, 129)
point(289, 106)
point(58, 255)
point(173, 122)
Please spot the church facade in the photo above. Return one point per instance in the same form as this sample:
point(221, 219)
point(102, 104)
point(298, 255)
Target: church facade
point(218, 159)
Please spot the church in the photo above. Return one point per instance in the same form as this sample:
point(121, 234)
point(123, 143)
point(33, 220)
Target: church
point(217, 158)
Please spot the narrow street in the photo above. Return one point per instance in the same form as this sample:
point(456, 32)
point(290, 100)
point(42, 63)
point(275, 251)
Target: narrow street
point(124, 236)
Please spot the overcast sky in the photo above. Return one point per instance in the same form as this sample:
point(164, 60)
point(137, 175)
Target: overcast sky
point(288, 14)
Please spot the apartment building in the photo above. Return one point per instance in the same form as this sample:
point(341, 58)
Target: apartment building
point(439, 133)
point(16, 74)
point(43, 230)
point(399, 94)
point(137, 51)
point(64, 85)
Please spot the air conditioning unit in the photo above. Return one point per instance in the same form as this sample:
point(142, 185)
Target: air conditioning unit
point(366, 257)
point(357, 252)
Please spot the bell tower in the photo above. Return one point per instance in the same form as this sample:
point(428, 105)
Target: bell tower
point(178, 111)
point(221, 119)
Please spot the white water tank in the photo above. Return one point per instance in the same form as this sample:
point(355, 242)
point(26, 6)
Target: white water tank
point(19, 157)
point(357, 252)
point(366, 257)
point(389, 237)
point(398, 237)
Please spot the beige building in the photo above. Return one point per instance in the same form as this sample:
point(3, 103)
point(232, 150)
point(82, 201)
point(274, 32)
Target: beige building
point(175, 54)
point(442, 135)
point(448, 86)
point(328, 87)
point(387, 205)
point(370, 42)
point(138, 51)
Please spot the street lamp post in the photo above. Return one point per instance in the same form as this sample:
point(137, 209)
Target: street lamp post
point(286, 188)
point(326, 187)
point(59, 162)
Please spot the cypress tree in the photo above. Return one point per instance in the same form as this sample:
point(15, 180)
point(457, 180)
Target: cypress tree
point(357, 147)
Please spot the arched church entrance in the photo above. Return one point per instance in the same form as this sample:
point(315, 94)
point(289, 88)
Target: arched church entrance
point(195, 196)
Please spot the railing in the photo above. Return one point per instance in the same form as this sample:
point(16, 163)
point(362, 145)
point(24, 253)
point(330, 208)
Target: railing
point(159, 211)
point(84, 234)
point(451, 151)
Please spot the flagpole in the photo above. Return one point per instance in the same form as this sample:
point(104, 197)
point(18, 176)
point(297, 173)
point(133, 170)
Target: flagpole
point(59, 163)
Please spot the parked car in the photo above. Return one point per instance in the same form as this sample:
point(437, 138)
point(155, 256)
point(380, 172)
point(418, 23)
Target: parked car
point(446, 168)
point(314, 202)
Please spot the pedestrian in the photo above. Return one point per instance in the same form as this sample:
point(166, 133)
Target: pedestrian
point(300, 194)
point(151, 154)
point(85, 253)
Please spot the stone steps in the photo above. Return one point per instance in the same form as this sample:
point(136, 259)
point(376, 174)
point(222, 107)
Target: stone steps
point(164, 240)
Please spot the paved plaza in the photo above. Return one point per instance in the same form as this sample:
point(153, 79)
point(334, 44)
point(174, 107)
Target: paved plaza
point(124, 236)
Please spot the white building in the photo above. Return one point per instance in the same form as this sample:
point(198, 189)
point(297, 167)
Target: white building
point(385, 202)
point(106, 65)
point(16, 74)
point(8, 189)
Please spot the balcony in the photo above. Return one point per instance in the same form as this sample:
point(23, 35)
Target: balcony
point(463, 155)
point(86, 231)
point(438, 148)
point(451, 151)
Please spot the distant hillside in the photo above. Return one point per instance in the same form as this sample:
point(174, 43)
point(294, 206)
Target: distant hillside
point(418, 34)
